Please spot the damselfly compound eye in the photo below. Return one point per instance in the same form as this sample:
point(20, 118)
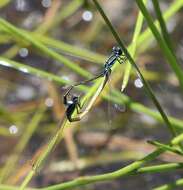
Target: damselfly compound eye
point(117, 50)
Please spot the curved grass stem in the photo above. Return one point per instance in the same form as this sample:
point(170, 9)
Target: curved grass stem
point(164, 45)
point(133, 50)
point(147, 87)
point(133, 168)
point(44, 153)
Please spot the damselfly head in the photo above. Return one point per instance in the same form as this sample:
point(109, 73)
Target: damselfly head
point(117, 50)
point(75, 99)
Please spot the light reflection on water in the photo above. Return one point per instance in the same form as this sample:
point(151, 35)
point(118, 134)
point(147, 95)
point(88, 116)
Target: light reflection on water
point(46, 3)
point(49, 102)
point(138, 83)
point(13, 129)
point(21, 5)
point(23, 52)
point(120, 108)
point(87, 16)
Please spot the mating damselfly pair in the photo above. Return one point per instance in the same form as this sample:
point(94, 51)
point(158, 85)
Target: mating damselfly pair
point(73, 103)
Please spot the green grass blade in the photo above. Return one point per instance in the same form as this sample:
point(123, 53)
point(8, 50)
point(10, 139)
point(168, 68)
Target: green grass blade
point(105, 177)
point(127, 170)
point(171, 186)
point(160, 168)
point(30, 129)
point(147, 169)
point(163, 27)
point(178, 139)
point(146, 85)
point(45, 152)
point(139, 108)
point(21, 34)
point(67, 11)
point(28, 69)
point(146, 38)
point(72, 50)
point(98, 58)
point(163, 45)
point(166, 147)
point(136, 35)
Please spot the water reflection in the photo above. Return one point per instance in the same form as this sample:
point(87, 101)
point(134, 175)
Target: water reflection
point(120, 108)
point(138, 83)
point(25, 92)
point(87, 16)
point(49, 102)
point(21, 5)
point(13, 129)
point(23, 52)
point(46, 3)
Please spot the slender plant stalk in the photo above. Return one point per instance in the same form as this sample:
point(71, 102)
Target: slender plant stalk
point(160, 168)
point(136, 35)
point(137, 107)
point(44, 27)
point(72, 7)
point(105, 177)
point(162, 43)
point(98, 58)
point(146, 85)
point(166, 147)
point(127, 170)
point(41, 47)
point(163, 27)
point(177, 139)
point(147, 36)
point(44, 154)
point(148, 169)
point(171, 186)
point(72, 50)
point(13, 158)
